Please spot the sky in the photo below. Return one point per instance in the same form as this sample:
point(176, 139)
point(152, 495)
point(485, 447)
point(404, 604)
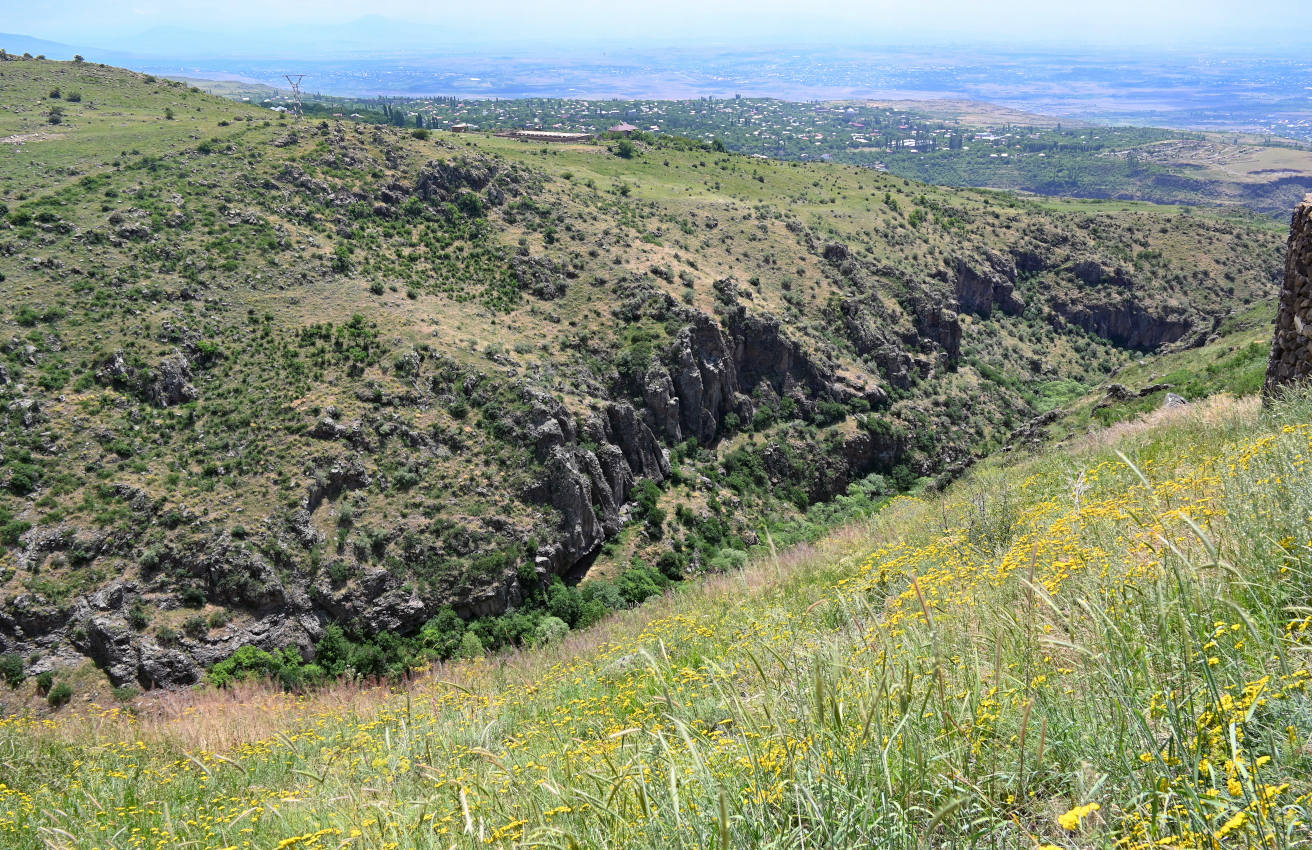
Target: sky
point(1252, 23)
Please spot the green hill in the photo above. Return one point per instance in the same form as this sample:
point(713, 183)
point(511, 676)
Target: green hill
point(359, 392)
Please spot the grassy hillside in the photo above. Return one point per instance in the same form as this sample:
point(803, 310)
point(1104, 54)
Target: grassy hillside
point(262, 378)
point(945, 143)
point(1098, 647)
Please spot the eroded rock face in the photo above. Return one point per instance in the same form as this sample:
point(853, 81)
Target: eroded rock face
point(1291, 349)
point(1127, 324)
point(989, 281)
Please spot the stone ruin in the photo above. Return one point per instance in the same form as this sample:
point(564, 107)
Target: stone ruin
point(1291, 350)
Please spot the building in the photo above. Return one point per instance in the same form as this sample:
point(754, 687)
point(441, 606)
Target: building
point(623, 127)
point(460, 127)
point(545, 136)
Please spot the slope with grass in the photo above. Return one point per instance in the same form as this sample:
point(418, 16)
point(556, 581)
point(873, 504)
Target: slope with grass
point(262, 378)
point(1103, 646)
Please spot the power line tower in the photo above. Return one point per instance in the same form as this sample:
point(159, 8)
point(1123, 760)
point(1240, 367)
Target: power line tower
point(295, 81)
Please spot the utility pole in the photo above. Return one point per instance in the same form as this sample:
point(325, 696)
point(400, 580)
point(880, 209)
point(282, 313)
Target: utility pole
point(295, 81)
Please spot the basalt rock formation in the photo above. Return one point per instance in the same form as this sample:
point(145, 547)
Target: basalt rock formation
point(1291, 350)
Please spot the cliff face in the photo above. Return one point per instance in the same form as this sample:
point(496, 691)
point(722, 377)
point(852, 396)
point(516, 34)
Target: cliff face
point(1291, 351)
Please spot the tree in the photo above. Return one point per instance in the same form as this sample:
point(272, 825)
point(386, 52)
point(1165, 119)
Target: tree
point(564, 603)
point(470, 646)
point(443, 633)
point(77, 57)
point(625, 149)
point(168, 113)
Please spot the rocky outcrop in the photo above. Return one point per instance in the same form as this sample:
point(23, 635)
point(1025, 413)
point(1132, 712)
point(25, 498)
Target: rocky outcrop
point(1128, 323)
point(542, 277)
point(171, 384)
point(705, 377)
point(445, 180)
point(1291, 349)
point(987, 282)
point(166, 385)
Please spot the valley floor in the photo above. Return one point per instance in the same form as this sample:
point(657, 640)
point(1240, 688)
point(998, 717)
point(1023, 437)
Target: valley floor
point(1103, 645)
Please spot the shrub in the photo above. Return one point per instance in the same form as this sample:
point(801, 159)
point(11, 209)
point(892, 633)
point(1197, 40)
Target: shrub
point(12, 530)
point(193, 596)
point(23, 478)
point(126, 693)
point(470, 646)
point(550, 630)
point(470, 204)
point(195, 627)
point(137, 616)
point(251, 662)
point(605, 592)
point(442, 635)
point(11, 669)
point(44, 681)
point(565, 603)
point(639, 583)
point(60, 695)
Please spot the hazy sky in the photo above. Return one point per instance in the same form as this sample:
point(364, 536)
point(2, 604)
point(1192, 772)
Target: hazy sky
point(1252, 22)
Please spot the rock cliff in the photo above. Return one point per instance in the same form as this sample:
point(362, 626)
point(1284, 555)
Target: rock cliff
point(1291, 351)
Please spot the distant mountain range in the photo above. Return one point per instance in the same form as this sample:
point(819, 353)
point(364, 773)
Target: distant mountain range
point(378, 35)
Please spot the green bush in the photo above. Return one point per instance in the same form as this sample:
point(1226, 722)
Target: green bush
point(11, 669)
point(251, 662)
point(12, 530)
point(470, 646)
point(60, 695)
point(126, 693)
point(550, 630)
point(442, 635)
point(565, 603)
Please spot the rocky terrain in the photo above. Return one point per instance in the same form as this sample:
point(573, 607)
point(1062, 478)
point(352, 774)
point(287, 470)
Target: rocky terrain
point(263, 377)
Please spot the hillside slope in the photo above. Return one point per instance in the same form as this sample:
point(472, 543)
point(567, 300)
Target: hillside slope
point(262, 378)
point(1100, 647)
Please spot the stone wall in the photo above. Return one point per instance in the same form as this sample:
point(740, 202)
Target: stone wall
point(1291, 351)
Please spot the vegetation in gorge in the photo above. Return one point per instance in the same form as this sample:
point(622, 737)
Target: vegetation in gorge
point(1100, 647)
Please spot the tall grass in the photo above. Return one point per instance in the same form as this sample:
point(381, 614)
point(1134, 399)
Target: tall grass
point(1104, 646)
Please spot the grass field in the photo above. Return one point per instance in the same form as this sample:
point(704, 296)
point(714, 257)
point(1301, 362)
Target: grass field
point(1106, 646)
